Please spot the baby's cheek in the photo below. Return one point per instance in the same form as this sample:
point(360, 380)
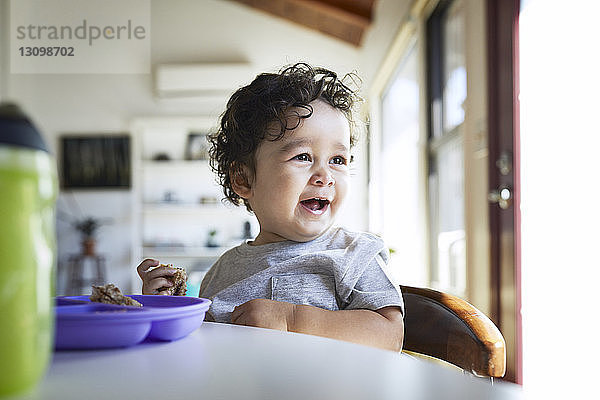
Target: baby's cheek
point(342, 188)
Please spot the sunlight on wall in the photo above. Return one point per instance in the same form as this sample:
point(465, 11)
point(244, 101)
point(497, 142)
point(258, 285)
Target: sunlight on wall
point(400, 173)
point(560, 141)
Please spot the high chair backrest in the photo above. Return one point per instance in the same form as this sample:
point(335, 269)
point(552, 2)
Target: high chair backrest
point(446, 327)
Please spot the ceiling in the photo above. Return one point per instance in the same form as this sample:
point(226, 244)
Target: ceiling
point(346, 20)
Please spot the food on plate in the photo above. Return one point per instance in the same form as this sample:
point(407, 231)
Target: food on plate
point(110, 294)
point(179, 281)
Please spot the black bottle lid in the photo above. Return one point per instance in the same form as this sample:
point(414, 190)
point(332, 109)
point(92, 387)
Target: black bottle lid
point(17, 130)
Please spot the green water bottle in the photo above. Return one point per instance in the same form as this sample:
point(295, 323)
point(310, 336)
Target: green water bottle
point(28, 190)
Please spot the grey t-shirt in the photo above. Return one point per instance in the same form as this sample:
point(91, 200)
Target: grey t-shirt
point(340, 270)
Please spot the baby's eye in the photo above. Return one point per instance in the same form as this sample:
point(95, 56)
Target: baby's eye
point(339, 160)
point(302, 157)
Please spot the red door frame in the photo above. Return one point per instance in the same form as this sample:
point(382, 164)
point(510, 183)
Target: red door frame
point(505, 224)
point(517, 191)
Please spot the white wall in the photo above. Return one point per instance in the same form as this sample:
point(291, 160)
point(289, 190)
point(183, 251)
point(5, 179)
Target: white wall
point(389, 17)
point(184, 31)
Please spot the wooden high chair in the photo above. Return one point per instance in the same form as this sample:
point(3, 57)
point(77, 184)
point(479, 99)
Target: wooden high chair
point(446, 327)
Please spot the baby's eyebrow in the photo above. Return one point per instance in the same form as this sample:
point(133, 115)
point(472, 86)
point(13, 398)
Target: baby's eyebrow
point(342, 147)
point(292, 144)
point(295, 143)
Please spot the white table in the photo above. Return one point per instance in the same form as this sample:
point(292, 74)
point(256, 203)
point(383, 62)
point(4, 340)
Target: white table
point(220, 361)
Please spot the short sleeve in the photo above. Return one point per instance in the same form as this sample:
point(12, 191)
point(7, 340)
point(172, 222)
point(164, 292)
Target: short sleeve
point(372, 287)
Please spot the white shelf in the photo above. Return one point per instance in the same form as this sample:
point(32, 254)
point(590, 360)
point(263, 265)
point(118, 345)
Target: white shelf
point(186, 220)
point(183, 252)
point(182, 208)
point(150, 165)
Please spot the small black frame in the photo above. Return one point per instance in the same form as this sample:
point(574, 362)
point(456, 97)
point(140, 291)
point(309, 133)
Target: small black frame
point(96, 161)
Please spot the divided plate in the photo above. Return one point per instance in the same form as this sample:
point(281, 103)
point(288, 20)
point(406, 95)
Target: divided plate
point(81, 324)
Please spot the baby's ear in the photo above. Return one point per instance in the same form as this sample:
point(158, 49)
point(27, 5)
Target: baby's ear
point(241, 180)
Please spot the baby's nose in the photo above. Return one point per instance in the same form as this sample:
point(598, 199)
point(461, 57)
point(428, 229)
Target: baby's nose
point(323, 178)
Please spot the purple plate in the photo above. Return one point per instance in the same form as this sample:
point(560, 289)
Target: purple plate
point(81, 324)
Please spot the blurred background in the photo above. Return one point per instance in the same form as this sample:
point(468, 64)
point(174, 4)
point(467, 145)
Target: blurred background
point(476, 169)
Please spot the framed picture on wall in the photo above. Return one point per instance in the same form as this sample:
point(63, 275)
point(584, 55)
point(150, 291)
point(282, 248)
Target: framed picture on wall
point(197, 146)
point(95, 161)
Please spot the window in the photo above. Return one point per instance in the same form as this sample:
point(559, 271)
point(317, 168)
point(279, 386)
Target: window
point(447, 92)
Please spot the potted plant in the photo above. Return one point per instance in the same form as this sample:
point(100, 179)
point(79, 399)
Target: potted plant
point(212, 238)
point(88, 227)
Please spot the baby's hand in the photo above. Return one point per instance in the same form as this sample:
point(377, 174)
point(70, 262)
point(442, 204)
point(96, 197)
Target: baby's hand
point(264, 313)
point(154, 280)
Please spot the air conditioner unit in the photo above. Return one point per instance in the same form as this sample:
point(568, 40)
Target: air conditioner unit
point(200, 80)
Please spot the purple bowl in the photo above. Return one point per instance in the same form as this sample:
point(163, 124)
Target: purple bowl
point(81, 324)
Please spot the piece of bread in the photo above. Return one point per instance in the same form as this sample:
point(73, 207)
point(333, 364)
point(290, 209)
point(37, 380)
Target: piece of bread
point(179, 281)
point(110, 294)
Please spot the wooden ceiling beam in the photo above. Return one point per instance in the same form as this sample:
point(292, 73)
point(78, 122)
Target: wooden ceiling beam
point(343, 19)
point(364, 8)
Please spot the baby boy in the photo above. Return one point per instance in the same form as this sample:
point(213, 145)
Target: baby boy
point(283, 151)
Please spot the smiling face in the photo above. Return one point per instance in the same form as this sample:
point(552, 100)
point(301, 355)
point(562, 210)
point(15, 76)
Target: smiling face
point(301, 180)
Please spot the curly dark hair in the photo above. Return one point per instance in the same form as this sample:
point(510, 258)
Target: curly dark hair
point(263, 110)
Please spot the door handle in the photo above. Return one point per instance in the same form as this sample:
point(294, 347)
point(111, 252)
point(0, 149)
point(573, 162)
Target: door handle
point(502, 196)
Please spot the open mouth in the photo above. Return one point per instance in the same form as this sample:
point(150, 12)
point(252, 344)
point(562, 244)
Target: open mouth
point(315, 205)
